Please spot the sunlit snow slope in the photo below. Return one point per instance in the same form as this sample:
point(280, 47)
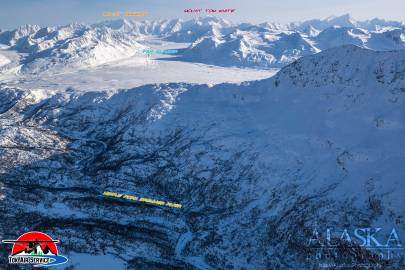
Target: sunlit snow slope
point(256, 166)
point(210, 41)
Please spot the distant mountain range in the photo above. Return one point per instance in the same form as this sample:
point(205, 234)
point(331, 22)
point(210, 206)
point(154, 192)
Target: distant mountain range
point(212, 41)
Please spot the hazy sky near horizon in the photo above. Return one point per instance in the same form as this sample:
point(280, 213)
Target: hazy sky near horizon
point(14, 13)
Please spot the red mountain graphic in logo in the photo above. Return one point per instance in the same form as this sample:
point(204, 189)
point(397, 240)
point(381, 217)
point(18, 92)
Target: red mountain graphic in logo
point(34, 243)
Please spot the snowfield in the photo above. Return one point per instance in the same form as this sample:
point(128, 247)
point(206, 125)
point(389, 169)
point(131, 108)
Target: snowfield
point(258, 158)
point(210, 40)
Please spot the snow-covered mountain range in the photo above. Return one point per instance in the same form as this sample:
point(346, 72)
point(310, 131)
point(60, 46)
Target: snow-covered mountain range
point(73, 45)
point(269, 45)
point(256, 166)
point(211, 41)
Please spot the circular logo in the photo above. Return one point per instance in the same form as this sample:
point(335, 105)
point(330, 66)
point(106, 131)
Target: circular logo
point(34, 243)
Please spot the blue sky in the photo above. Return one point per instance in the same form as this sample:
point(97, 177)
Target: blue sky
point(56, 12)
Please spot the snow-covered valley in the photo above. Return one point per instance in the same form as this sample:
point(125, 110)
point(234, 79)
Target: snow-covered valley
point(258, 152)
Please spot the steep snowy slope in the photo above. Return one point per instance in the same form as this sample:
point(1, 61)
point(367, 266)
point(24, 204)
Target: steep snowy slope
point(274, 45)
point(249, 49)
point(273, 48)
point(345, 21)
point(338, 36)
point(176, 30)
point(256, 166)
point(70, 46)
point(12, 37)
point(387, 40)
point(345, 66)
point(212, 41)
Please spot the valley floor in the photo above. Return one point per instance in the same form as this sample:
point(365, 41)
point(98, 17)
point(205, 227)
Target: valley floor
point(131, 72)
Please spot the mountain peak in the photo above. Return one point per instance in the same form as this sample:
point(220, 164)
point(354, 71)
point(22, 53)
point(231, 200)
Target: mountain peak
point(344, 66)
point(344, 21)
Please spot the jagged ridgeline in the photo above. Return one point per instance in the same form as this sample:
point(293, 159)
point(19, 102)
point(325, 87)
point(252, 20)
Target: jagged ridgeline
point(211, 41)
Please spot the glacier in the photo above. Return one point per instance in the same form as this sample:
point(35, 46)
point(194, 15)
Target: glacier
point(257, 162)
